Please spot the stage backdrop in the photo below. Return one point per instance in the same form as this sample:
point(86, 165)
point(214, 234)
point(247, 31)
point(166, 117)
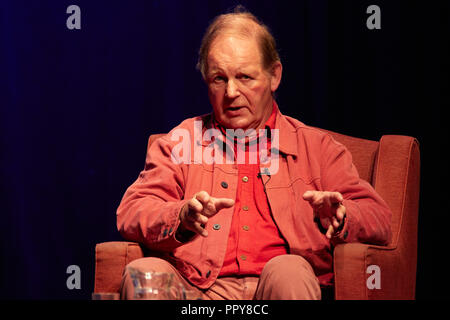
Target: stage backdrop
point(79, 99)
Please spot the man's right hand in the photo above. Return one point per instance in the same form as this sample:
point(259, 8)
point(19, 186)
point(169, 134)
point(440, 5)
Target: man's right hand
point(195, 213)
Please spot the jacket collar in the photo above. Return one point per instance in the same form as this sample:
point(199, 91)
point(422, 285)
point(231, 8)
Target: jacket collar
point(287, 135)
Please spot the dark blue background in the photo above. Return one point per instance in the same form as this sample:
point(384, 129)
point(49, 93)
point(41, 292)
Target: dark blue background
point(77, 107)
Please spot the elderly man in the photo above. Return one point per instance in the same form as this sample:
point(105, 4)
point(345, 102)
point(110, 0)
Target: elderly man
point(238, 229)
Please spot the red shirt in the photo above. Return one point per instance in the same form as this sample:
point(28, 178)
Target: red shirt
point(254, 238)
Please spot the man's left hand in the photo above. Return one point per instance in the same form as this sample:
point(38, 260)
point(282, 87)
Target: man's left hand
point(328, 207)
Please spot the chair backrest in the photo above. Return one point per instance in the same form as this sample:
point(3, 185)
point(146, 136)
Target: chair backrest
point(392, 167)
point(363, 152)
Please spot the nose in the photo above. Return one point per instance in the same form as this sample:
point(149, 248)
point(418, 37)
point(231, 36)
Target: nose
point(232, 91)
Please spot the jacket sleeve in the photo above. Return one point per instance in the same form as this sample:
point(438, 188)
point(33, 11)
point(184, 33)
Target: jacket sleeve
point(368, 217)
point(149, 210)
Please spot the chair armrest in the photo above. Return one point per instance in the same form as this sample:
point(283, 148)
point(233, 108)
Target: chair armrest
point(351, 271)
point(110, 261)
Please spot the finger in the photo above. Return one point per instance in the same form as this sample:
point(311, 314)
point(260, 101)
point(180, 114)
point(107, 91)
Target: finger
point(202, 219)
point(330, 232)
point(215, 205)
point(315, 198)
point(327, 200)
point(335, 222)
point(203, 197)
point(308, 195)
point(221, 203)
point(197, 217)
point(340, 212)
point(194, 206)
point(318, 202)
point(336, 197)
point(325, 222)
point(208, 209)
point(197, 228)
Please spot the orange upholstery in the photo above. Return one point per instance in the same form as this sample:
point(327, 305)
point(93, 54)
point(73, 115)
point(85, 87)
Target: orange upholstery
point(392, 166)
point(396, 177)
point(110, 261)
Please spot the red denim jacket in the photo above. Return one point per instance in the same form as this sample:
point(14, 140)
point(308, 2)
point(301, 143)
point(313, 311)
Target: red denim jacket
point(309, 159)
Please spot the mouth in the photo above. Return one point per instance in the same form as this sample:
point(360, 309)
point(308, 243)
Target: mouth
point(234, 111)
point(234, 108)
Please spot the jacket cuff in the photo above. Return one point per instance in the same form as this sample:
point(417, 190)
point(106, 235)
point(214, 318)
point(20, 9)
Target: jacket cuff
point(167, 240)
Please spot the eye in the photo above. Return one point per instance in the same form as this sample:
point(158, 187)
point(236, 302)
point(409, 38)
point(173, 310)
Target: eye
point(218, 79)
point(244, 77)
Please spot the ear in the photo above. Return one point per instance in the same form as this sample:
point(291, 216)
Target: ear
point(275, 79)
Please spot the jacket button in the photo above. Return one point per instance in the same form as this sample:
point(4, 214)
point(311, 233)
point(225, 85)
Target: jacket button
point(208, 273)
point(245, 179)
point(224, 184)
point(246, 228)
point(345, 234)
point(216, 226)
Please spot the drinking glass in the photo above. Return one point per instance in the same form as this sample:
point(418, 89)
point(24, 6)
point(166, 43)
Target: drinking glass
point(152, 285)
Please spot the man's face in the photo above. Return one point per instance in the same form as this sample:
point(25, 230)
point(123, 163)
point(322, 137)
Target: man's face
point(239, 88)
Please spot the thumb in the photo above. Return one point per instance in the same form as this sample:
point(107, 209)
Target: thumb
point(308, 195)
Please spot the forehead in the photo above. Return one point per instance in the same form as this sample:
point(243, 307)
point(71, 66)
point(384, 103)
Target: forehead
point(233, 51)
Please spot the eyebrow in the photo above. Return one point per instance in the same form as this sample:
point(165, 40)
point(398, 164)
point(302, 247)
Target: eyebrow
point(243, 70)
point(215, 71)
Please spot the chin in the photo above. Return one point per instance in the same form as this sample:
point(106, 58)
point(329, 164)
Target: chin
point(236, 124)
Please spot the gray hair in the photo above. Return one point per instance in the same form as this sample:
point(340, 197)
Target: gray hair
point(240, 22)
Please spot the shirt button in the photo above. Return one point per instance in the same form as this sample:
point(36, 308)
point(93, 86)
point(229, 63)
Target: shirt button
point(245, 179)
point(224, 184)
point(245, 208)
point(243, 257)
point(246, 228)
point(216, 226)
